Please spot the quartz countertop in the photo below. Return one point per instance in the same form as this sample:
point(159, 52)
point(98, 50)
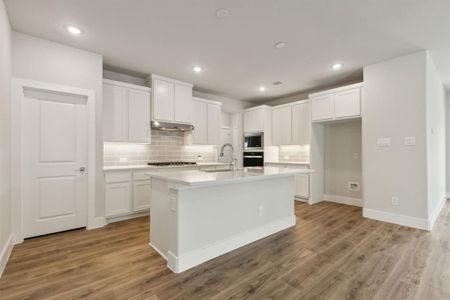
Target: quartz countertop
point(201, 178)
point(288, 162)
point(144, 167)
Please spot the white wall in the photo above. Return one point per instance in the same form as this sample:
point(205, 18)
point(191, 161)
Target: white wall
point(400, 101)
point(342, 143)
point(436, 139)
point(447, 134)
point(5, 132)
point(42, 60)
point(228, 104)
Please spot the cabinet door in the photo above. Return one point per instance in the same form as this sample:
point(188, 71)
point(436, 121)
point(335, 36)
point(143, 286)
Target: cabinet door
point(117, 198)
point(302, 185)
point(301, 124)
point(139, 116)
point(322, 108)
point(115, 113)
point(141, 194)
point(199, 112)
point(163, 100)
point(213, 124)
point(253, 121)
point(282, 125)
point(183, 103)
point(347, 103)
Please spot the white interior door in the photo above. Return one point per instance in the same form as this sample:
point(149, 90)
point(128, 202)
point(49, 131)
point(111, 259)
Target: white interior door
point(54, 149)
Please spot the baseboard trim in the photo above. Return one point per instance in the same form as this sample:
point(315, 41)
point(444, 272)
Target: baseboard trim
point(98, 222)
point(435, 215)
point(127, 217)
point(195, 257)
point(343, 200)
point(6, 252)
point(399, 219)
point(157, 250)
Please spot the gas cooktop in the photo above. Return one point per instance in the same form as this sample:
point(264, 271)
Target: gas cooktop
point(171, 163)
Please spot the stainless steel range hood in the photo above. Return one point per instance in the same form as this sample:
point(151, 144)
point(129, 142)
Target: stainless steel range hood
point(171, 127)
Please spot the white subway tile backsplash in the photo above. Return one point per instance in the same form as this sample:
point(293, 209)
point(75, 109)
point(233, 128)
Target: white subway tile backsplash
point(294, 153)
point(165, 146)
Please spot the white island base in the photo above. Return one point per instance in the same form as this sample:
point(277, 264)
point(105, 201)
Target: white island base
point(197, 216)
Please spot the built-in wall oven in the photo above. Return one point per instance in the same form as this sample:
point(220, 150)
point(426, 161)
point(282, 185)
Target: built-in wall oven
point(254, 141)
point(253, 159)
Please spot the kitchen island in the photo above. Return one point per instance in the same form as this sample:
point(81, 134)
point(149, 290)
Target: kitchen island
point(198, 215)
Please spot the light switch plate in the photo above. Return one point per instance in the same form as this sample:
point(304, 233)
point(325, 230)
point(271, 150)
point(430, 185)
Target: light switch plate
point(384, 142)
point(409, 141)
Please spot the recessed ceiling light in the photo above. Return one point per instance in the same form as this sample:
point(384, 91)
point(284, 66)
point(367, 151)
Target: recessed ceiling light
point(262, 88)
point(337, 66)
point(222, 13)
point(279, 45)
point(73, 30)
point(197, 69)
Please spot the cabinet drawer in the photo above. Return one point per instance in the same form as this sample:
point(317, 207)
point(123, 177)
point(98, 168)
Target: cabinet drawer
point(141, 175)
point(112, 177)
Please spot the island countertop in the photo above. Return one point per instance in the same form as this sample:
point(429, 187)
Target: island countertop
point(201, 178)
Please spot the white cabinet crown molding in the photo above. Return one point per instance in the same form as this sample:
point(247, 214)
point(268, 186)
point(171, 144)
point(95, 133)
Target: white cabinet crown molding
point(126, 85)
point(338, 89)
point(206, 101)
point(155, 76)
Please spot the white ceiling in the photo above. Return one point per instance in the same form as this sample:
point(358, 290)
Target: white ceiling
point(168, 37)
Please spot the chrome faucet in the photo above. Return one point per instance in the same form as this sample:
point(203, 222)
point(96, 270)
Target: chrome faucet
point(233, 160)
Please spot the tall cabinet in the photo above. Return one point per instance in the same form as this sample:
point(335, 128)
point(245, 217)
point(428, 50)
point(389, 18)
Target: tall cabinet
point(126, 112)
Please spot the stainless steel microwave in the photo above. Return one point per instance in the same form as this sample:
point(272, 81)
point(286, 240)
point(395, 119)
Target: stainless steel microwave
point(254, 141)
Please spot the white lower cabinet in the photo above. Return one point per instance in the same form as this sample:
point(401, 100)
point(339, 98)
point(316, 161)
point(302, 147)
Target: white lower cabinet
point(118, 197)
point(126, 192)
point(142, 191)
point(301, 188)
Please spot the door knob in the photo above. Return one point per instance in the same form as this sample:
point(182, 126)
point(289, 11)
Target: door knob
point(82, 169)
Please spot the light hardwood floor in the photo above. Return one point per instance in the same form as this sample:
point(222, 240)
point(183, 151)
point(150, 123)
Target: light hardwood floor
point(332, 253)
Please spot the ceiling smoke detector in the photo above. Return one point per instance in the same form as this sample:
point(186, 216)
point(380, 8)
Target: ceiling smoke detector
point(279, 45)
point(277, 83)
point(222, 13)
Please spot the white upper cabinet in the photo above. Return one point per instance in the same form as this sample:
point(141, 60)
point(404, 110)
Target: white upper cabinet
point(291, 124)
point(115, 112)
point(214, 116)
point(301, 123)
point(171, 100)
point(347, 103)
point(336, 104)
point(163, 100)
point(282, 125)
point(126, 112)
point(183, 103)
point(322, 108)
point(199, 120)
point(253, 120)
point(206, 120)
point(139, 116)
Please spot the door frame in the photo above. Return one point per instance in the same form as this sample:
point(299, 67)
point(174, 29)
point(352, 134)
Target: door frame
point(17, 96)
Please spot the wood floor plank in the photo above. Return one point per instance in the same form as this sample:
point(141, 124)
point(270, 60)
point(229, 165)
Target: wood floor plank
point(331, 253)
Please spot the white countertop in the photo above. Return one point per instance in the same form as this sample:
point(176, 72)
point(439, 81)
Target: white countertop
point(288, 162)
point(201, 178)
point(144, 167)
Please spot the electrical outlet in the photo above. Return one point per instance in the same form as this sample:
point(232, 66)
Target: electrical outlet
point(123, 159)
point(260, 211)
point(355, 155)
point(395, 200)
